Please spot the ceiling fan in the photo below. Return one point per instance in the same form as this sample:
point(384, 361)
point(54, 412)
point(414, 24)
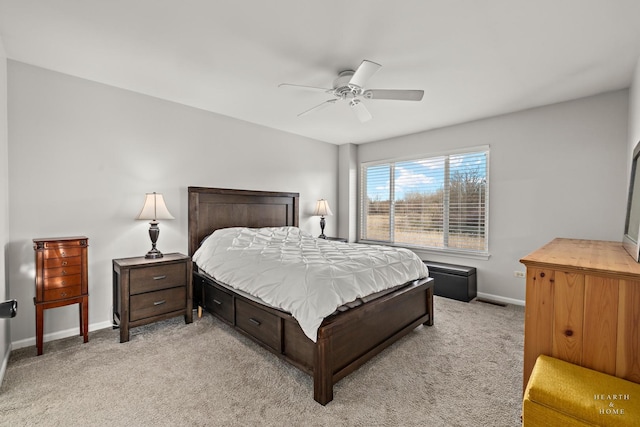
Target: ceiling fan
point(350, 86)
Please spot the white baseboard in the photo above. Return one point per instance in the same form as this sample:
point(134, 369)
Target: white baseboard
point(107, 324)
point(59, 335)
point(5, 362)
point(498, 298)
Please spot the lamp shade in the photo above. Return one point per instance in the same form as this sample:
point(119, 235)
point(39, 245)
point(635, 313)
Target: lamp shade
point(322, 208)
point(154, 208)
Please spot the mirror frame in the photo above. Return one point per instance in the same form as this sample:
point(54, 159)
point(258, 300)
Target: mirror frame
point(631, 237)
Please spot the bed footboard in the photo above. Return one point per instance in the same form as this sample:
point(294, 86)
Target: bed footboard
point(347, 341)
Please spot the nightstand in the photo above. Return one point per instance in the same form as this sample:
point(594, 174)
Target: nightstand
point(148, 290)
point(336, 239)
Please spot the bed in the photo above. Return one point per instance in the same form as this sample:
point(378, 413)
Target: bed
point(345, 339)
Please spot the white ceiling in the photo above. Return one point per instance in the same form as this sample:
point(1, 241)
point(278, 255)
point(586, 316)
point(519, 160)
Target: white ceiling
point(473, 58)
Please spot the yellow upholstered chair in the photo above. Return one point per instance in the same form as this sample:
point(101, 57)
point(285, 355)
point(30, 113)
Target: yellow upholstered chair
point(563, 394)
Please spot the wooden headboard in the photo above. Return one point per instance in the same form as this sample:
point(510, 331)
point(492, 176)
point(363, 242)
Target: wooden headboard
point(214, 208)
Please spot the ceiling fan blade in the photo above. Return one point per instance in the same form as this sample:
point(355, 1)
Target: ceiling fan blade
point(399, 94)
point(364, 73)
point(360, 110)
point(313, 88)
point(318, 107)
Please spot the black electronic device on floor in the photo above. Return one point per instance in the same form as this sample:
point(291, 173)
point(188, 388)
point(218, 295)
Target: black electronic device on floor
point(8, 309)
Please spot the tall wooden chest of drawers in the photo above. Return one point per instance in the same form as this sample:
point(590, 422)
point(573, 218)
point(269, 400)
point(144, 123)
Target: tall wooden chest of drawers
point(61, 279)
point(583, 307)
point(148, 290)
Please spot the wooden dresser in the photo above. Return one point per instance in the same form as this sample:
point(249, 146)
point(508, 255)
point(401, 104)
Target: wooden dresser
point(148, 290)
point(61, 279)
point(583, 306)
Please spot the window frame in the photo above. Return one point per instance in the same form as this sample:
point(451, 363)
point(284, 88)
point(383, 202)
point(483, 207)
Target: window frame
point(362, 189)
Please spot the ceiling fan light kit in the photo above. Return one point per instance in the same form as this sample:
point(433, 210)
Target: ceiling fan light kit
point(349, 86)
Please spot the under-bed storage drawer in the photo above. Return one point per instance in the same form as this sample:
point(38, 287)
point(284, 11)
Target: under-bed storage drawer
point(264, 326)
point(218, 302)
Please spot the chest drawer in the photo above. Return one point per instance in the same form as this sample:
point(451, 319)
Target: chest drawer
point(62, 281)
point(219, 302)
point(62, 293)
point(258, 323)
point(62, 252)
point(62, 262)
point(62, 271)
point(159, 302)
point(157, 277)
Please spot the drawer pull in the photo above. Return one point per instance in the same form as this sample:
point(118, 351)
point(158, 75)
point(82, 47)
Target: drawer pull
point(64, 282)
point(215, 301)
point(64, 263)
point(63, 253)
point(64, 272)
point(159, 302)
point(159, 277)
point(63, 294)
point(254, 321)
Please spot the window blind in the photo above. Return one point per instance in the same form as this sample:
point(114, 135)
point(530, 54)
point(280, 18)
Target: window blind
point(435, 202)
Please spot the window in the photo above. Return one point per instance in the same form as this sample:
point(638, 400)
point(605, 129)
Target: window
point(438, 202)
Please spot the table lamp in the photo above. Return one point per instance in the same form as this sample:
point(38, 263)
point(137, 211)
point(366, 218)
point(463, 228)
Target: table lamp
point(322, 210)
point(154, 209)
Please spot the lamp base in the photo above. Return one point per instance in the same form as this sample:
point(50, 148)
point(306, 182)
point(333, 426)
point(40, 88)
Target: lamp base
point(153, 254)
point(154, 232)
point(322, 236)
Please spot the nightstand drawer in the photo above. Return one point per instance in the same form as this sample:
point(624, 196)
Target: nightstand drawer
point(219, 302)
point(62, 293)
point(158, 277)
point(62, 271)
point(258, 323)
point(62, 281)
point(159, 302)
point(62, 262)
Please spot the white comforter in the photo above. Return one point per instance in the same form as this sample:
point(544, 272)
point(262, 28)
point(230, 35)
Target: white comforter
point(305, 276)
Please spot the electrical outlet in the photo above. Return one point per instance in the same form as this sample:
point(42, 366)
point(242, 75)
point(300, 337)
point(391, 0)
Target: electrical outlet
point(519, 274)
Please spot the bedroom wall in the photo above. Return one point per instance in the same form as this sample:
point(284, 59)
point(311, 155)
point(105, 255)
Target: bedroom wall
point(82, 156)
point(555, 171)
point(5, 335)
point(634, 110)
point(347, 193)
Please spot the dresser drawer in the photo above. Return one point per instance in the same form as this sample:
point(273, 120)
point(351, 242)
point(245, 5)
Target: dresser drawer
point(157, 277)
point(62, 271)
point(62, 293)
point(156, 303)
point(218, 302)
point(62, 281)
point(258, 323)
point(62, 262)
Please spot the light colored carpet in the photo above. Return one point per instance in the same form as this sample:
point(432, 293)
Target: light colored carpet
point(466, 370)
